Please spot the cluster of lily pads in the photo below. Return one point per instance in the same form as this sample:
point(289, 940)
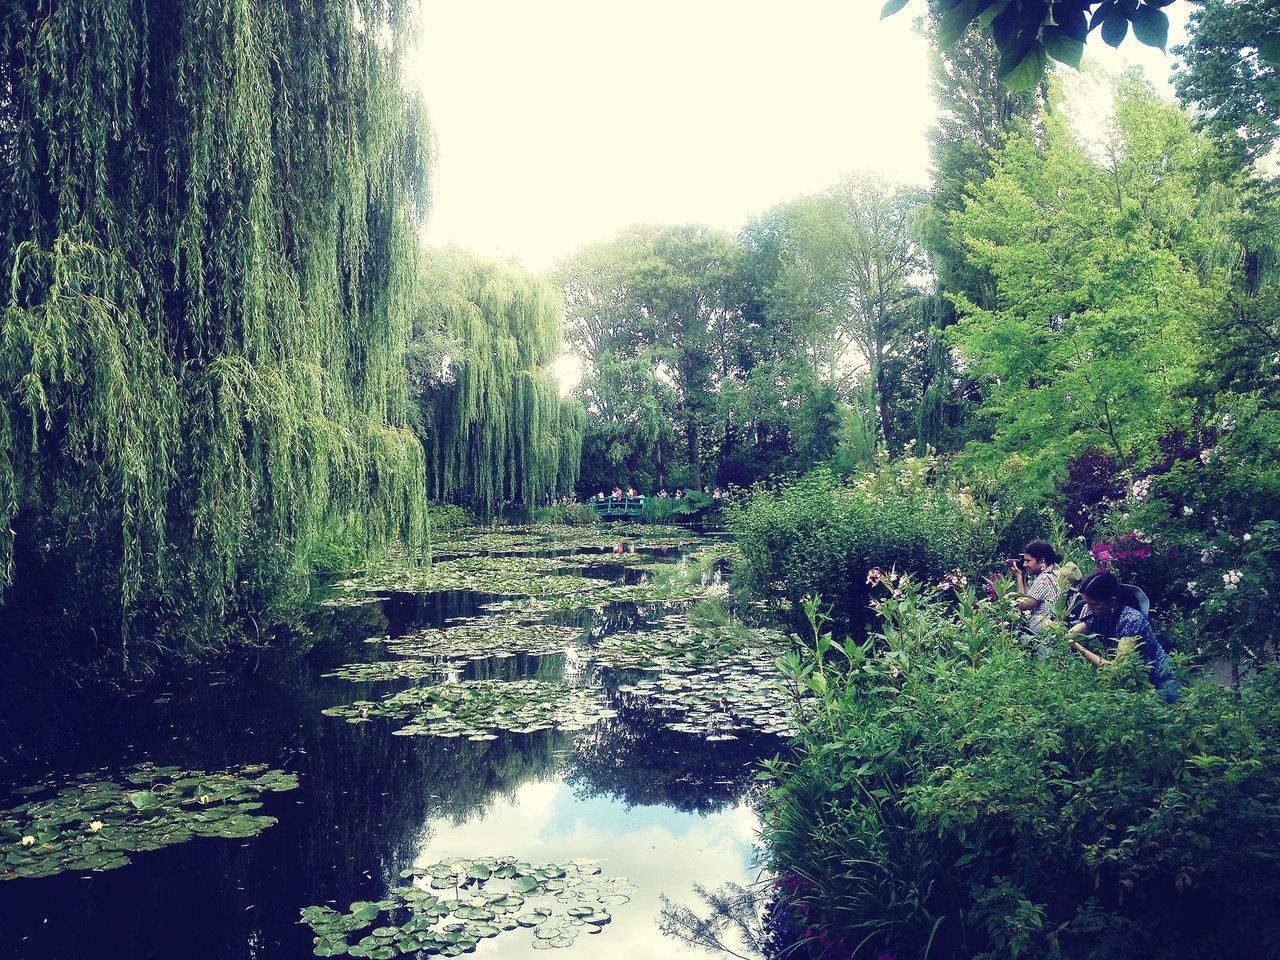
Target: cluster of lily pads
point(449, 907)
point(476, 708)
point(676, 643)
point(93, 823)
point(740, 693)
point(486, 637)
point(514, 576)
point(602, 595)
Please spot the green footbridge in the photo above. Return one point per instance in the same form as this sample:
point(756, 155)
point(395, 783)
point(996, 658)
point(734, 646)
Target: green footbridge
point(612, 508)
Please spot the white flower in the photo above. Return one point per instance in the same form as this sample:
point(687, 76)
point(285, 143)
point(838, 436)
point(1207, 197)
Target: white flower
point(1187, 511)
point(1231, 579)
point(1228, 423)
point(1247, 537)
point(1191, 588)
point(1141, 489)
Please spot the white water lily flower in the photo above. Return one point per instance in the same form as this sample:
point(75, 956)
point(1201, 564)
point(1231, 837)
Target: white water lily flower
point(95, 826)
point(28, 841)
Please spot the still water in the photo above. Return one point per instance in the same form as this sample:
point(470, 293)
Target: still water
point(665, 809)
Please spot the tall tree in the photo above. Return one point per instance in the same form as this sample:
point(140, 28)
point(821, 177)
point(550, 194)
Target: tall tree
point(208, 224)
point(687, 288)
point(852, 268)
point(1106, 271)
point(1226, 72)
point(493, 424)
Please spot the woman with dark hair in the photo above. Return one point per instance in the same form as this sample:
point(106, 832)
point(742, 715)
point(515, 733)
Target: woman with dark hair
point(1107, 616)
point(1037, 600)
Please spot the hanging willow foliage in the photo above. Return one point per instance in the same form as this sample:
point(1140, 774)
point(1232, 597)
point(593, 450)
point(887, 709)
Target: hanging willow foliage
point(208, 233)
point(492, 421)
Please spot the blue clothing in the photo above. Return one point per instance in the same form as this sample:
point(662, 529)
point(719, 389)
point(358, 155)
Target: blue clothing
point(1128, 622)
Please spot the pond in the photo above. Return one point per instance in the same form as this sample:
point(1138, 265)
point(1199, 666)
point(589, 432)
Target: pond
point(521, 748)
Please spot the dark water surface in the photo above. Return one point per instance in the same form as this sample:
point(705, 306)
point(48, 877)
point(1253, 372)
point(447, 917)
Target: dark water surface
point(666, 809)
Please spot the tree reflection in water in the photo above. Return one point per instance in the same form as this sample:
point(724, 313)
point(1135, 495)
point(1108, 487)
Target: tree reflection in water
point(636, 759)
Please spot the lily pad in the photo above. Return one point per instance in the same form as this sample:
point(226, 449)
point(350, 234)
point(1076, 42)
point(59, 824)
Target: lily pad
point(93, 824)
point(574, 898)
point(477, 707)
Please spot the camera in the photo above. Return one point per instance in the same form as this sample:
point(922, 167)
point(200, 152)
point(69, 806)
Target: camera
point(1014, 562)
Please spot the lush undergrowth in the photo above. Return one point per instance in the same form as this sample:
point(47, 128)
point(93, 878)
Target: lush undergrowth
point(821, 534)
point(953, 797)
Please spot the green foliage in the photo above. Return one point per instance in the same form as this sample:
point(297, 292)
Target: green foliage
point(821, 535)
point(570, 514)
point(1207, 521)
point(1104, 274)
point(445, 517)
point(490, 415)
point(1237, 93)
point(207, 228)
point(954, 797)
point(470, 901)
point(1028, 34)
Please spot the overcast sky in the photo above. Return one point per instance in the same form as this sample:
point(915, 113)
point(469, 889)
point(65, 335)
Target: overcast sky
point(561, 121)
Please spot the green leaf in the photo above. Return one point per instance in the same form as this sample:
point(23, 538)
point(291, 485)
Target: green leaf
point(1063, 48)
point(1151, 26)
point(1073, 23)
point(524, 885)
point(891, 7)
point(1101, 13)
point(1269, 49)
point(144, 800)
point(990, 13)
point(955, 21)
point(1024, 72)
point(1115, 28)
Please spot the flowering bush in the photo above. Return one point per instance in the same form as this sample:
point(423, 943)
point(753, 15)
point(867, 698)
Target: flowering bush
point(1211, 540)
point(952, 797)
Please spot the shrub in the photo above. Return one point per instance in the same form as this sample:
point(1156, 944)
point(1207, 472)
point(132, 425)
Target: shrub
point(571, 514)
point(951, 797)
point(820, 534)
point(693, 504)
point(1200, 537)
point(447, 516)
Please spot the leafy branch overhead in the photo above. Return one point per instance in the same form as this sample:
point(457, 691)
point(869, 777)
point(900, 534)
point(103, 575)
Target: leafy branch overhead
point(1027, 33)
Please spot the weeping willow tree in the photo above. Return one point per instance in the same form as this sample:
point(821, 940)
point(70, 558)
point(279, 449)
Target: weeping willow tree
point(208, 234)
point(491, 418)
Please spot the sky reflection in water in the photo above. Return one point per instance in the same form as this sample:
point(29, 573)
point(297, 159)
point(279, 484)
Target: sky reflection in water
point(660, 849)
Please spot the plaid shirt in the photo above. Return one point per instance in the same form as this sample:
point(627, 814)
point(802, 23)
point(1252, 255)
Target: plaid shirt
point(1044, 590)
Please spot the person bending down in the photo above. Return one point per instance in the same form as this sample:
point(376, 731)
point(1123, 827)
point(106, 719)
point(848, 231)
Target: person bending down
point(1108, 617)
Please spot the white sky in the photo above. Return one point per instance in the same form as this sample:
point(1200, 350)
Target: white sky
point(559, 122)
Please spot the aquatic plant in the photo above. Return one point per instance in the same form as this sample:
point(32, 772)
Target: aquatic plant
point(93, 823)
point(475, 708)
point(449, 907)
point(487, 637)
point(512, 576)
point(677, 642)
point(742, 692)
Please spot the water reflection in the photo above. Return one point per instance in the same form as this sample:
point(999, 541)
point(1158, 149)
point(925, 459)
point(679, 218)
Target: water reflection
point(668, 810)
point(636, 759)
point(660, 849)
